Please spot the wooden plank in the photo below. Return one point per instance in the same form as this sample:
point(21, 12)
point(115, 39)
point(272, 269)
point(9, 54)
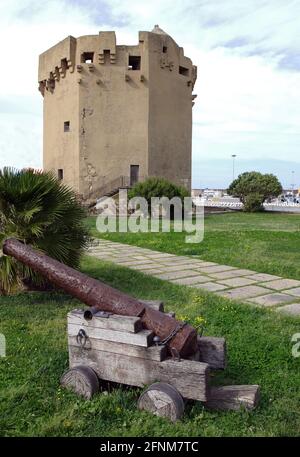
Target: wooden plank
point(158, 353)
point(188, 377)
point(156, 304)
point(143, 338)
point(113, 322)
point(212, 351)
point(233, 397)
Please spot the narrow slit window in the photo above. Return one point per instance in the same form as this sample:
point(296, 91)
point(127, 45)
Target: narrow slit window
point(134, 63)
point(87, 57)
point(165, 49)
point(184, 71)
point(60, 174)
point(66, 126)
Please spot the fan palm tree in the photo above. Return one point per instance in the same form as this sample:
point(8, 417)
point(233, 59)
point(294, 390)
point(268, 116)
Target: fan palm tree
point(39, 210)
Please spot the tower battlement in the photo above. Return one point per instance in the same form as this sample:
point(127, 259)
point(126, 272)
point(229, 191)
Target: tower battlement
point(110, 109)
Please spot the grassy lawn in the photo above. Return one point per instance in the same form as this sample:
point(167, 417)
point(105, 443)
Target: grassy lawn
point(266, 242)
point(259, 350)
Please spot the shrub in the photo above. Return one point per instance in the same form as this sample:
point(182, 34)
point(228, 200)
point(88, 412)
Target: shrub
point(253, 188)
point(253, 203)
point(157, 187)
point(39, 210)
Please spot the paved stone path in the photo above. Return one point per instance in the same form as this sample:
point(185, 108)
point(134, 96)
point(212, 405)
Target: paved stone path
point(235, 283)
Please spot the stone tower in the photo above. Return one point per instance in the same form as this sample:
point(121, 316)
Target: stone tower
point(116, 114)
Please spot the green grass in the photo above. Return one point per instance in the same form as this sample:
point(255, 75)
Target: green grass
point(33, 404)
point(264, 242)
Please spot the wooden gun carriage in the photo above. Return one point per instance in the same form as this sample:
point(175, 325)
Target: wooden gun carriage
point(117, 348)
point(133, 342)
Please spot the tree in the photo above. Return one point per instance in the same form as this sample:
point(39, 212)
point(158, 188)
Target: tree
point(253, 188)
point(157, 187)
point(39, 210)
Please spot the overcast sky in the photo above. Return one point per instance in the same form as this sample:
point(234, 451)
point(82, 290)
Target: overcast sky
point(248, 58)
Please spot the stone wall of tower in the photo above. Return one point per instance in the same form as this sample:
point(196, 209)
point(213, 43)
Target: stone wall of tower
point(113, 113)
point(58, 85)
point(123, 105)
point(172, 77)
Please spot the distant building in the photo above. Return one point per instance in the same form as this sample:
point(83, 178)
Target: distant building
point(114, 114)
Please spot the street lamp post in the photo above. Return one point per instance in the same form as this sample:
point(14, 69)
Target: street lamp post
point(293, 181)
point(233, 164)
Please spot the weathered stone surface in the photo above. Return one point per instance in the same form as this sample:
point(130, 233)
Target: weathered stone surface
point(152, 272)
point(129, 263)
point(237, 282)
point(271, 299)
point(263, 277)
point(210, 286)
point(244, 292)
point(293, 309)
point(176, 268)
point(177, 274)
point(231, 274)
point(215, 268)
point(140, 257)
point(148, 266)
point(295, 292)
point(160, 255)
point(281, 284)
point(190, 281)
point(105, 125)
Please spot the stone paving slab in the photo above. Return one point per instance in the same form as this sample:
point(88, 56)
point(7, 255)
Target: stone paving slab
point(208, 264)
point(293, 309)
point(189, 281)
point(281, 284)
point(210, 286)
point(152, 272)
point(215, 269)
point(177, 274)
point(178, 263)
point(231, 274)
point(244, 292)
point(129, 263)
point(271, 299)
point(237, 282)
point(295, 292)
point(234, 283)
point(263, 277)
point(161, 255)
point(148, 266)
point(175, 268)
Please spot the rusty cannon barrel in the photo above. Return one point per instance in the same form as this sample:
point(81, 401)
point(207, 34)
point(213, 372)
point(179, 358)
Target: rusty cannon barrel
point(180, 338)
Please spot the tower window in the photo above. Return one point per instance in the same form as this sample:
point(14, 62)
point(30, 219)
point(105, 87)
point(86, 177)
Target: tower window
point(87, 57)
point(134, 63)
point(60, 174)
point(66, 126)
point(184, 71)
point(165, 49)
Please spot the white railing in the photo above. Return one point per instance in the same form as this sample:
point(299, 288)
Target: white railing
point(216, 203)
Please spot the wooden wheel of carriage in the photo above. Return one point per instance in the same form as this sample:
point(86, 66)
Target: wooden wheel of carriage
point(163, 400)
point(82, 380)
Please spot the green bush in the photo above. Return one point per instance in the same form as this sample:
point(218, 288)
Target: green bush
point(39, 210)
point(253, 203)
point(157, 187)
point(253, 188)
